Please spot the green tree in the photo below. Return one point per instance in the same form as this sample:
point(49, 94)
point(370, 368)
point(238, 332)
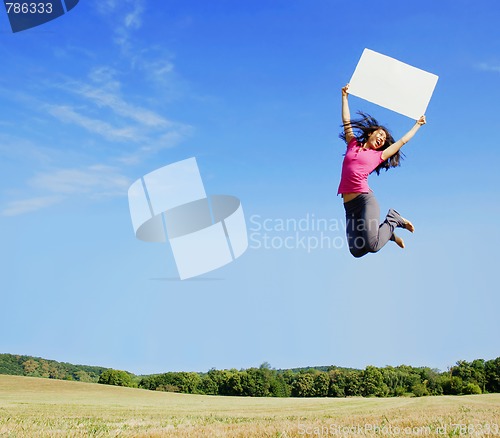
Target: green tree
point(44, 368)
point(473, 372)
point(479, 373)
point(321, 384)
point(11, 364)
point(116, 378)
point(228, 381)
point(451, 385)
point(392, 378)
point(372, 382)
point(463, 370)
point(217, 378)
point(303, 385)
point(353, 383)
point(83, 376)
point(257, 381)
point(208, 386)
point(337, 383)
point(30, 367)
point(431, 379)
point(492, 374)
point(188, 383)
point(408, 378)
point(56, 371)
point(279, 387)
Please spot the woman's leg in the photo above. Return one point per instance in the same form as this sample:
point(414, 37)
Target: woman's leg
point(364, 231)
point(378, 234)
point(354, 226)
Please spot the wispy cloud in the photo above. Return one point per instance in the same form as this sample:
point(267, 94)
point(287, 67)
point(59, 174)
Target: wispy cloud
point(107, 107)
point(165, 141)
point(68, 114)
point(97, 181)
point(125, 120)
point(106, 6)
point(16, 208)
point(155, 61)
point(22, 149)
point(157, 66)
point(108, 97)
point(133, 20)
point(485, 66)
point(127, 17)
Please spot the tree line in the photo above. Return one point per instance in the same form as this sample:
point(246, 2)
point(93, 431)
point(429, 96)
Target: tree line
point(476, 377)
point(18, 365)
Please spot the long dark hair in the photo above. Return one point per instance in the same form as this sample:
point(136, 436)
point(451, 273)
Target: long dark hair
point(363, 128)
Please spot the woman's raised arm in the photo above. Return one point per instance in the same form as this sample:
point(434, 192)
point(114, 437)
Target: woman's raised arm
point(346, 115)
point(395, 147)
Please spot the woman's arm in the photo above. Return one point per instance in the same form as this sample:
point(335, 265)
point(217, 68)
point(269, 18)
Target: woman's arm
point(395, 147)
point(346, 115)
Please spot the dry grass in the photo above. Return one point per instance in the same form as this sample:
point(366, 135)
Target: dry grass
point(31, 407)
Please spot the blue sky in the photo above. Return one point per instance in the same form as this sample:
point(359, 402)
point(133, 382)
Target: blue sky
point(115, 89)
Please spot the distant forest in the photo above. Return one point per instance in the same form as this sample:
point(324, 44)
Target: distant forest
point(476, 377)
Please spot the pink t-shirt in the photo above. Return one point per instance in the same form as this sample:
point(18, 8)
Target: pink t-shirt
point(358, 164)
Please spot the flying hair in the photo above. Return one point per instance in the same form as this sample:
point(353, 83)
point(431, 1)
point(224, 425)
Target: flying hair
point(362, 128)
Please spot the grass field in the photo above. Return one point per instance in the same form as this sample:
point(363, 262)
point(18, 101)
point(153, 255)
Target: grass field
point(31, 407)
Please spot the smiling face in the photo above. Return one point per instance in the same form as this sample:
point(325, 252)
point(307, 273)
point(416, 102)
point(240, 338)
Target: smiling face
point(376, 139)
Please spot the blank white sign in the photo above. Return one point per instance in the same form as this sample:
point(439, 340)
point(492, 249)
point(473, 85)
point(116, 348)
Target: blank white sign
point(392, 84)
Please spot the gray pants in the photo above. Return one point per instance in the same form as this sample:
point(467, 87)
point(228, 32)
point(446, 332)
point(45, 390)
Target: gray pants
point(364, 231)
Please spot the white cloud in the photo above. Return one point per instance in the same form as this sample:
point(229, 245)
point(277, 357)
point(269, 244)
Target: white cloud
point(97, 181)
point(133, 19)
point(165, 141)
point(104, 91)
point(162, 67)
point(104, 98)
point(104, 76)
point(67, 114)
point(159, 68)
point(22, 150)
point(484, 66)
point(131, 122)
point(102, 105)
point(126, 17)
point(23, 206)
point(126, 12)
point(106, 6)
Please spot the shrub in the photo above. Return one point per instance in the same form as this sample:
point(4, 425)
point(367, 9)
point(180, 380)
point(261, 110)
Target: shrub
point(471, 388)
point(419, 390)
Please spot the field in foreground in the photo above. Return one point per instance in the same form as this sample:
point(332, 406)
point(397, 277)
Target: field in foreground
point(42, 407)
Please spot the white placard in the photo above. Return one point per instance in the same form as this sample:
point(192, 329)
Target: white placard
point(392, 84)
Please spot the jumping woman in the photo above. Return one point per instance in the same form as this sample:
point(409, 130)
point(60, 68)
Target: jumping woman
point(370, 147)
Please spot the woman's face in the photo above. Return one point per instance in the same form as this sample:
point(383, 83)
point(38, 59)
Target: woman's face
point(376, 139)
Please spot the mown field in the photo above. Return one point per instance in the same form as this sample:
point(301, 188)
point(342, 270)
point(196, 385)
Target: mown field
point(32, 407)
